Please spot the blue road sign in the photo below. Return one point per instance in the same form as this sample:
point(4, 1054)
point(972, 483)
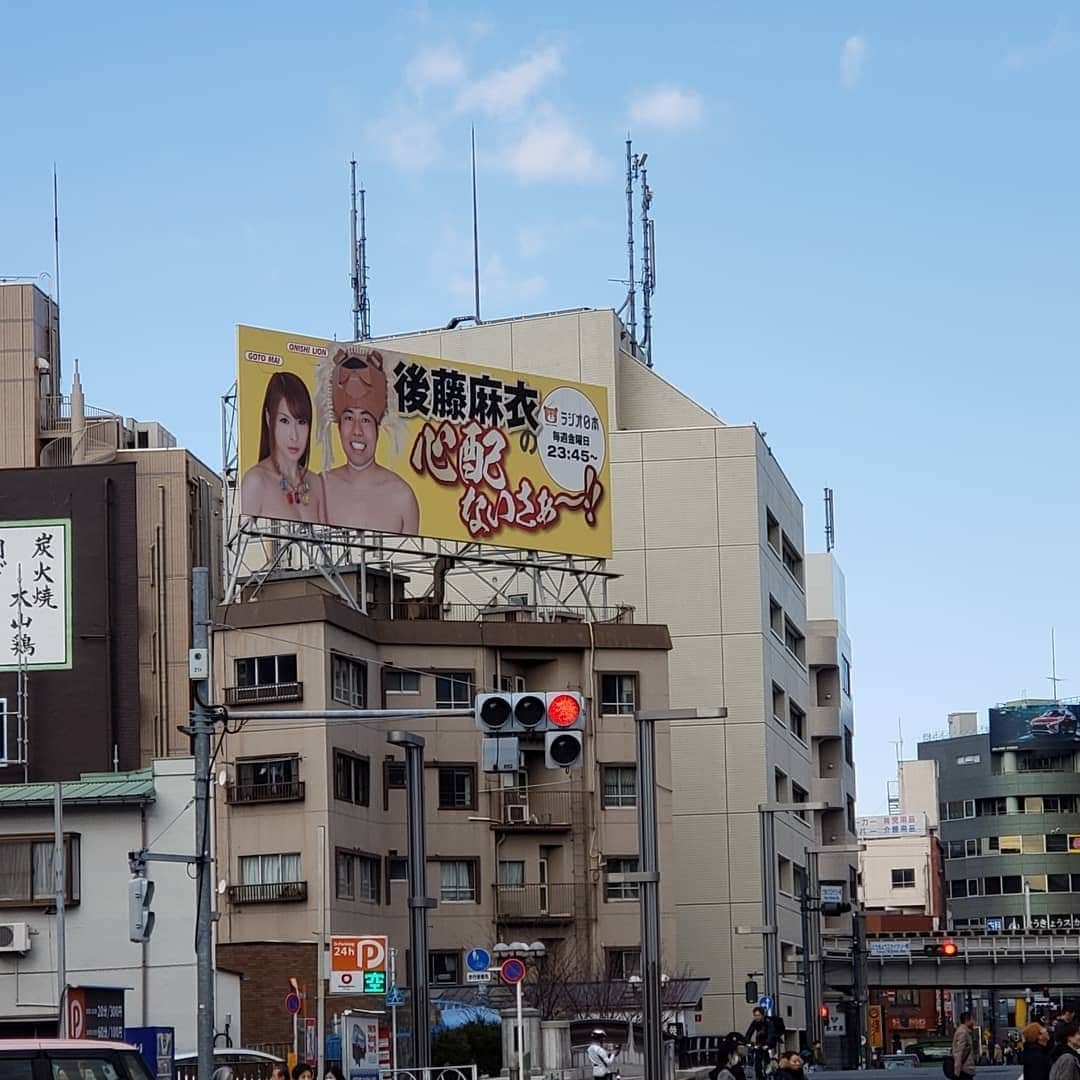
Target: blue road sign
point(513, 970)
point(394, 997)
point(292, 1003)
point(478, 960)
point(766, 1002)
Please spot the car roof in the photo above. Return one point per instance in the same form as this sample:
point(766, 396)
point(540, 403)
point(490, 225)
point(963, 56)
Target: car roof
point(229, 1051)
point(85, 1046)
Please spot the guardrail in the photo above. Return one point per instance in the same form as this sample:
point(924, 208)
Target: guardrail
point(424, 610)
point(278, 892)
point(265, 694)
point(287, 791)
point(536, 903)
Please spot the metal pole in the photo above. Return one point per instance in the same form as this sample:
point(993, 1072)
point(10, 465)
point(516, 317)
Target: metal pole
point(202, 727)
point(813, 962)
point(320, 996)
point(475, 236)
point(296, 1037)
point(808, 991)
point(861, 1058)
point(393, 1011)
point(649, 866)
point(60, 882)
point(768, 905)
point(630, 241)
point(1027, 907)
point(520, 1031)
point(353, 255)
point(419, 902)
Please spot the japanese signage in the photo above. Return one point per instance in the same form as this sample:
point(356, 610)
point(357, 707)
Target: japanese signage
point(157, 1045)
point(869, 828)
point(35, 590)
point(358, 965)
point(874, 1033)
point(1048, 726)
point(365, 1046)
point(362, 437)
point(95, 1012)
point(890, 948)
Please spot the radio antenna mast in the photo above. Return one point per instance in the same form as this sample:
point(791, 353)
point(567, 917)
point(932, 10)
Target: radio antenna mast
point(475, 235)
point(648, 265)
point(365, 300)
point(830, 521)
point(1054, 678)
point(354, 253)
point(631, 173)
point(361, 306)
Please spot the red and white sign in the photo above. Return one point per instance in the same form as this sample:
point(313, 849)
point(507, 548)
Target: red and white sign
point(351, 957)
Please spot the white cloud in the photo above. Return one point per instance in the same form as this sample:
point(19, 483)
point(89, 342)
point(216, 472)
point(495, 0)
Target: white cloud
point(667, 107)
point(852, 61)
point(498, 285)
point(1060, 42)
point(551, 149)
point(504, 92)
point(442, 66)
point(408, 138)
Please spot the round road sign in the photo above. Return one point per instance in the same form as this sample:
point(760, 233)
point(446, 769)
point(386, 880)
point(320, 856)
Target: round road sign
point(512, 970)
point(478, 959)
point(292, 1003)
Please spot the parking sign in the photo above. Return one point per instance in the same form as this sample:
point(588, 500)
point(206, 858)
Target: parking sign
point(358, 965)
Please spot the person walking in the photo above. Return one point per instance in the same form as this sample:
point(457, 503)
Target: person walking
point(1067, 1064)
point(600, 1057)
point(963, 1047)
point(1036, 1055)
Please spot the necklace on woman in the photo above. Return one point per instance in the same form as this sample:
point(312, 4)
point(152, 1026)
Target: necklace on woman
point(295, 494)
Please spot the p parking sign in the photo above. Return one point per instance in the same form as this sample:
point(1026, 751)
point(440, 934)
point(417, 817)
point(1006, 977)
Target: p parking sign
point(358, 965)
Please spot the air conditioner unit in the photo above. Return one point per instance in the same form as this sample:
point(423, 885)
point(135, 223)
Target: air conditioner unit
point(517, 814)
point(518, 599)
point(14, 937)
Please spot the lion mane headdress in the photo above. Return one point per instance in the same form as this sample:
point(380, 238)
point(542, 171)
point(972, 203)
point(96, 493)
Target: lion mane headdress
point(353, 378)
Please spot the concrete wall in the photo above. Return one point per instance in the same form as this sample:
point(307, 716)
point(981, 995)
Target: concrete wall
point(884, 855)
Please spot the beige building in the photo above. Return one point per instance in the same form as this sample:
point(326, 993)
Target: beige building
point(709, 540)
point(522, 862)
point(178, 497)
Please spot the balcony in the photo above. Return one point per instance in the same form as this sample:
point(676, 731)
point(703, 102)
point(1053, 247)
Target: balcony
point(284, 791)
point(540, 904)
point(522, 811)
point(280, 892)
point(424, 610)
point(825, 722)
point(264, 694)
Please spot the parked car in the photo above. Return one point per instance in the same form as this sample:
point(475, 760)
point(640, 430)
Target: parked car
point(243, 1064)
point(900, 1061)
point(1053, 722)
point(70, 1059)
point(929, 1051)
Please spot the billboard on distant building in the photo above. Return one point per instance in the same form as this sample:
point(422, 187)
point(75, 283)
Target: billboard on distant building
point(1046, 727)
point(869, 828)
point(35, 587)
point(362, 437)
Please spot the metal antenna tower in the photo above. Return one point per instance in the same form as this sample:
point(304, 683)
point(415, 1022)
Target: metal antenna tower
point(475, 234)
point(361, 307)
point(631, 301)
point(1054, 678)
point(830, 520)
point(648, 262)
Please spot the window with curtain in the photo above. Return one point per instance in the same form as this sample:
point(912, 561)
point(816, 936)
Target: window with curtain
point(620, 786)
point(457, 881)
point(26, 871)
point(270, 869)
point(511, 872)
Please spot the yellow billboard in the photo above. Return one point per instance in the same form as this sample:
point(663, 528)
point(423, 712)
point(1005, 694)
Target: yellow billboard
point(357, 436)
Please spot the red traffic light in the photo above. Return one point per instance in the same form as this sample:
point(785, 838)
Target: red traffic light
point(823, 1012)
point(563, 710)
point(949, 947)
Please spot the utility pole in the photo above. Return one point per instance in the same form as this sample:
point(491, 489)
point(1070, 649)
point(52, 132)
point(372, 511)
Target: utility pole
point(202, 727)
point(60, 882)
point(419, 902)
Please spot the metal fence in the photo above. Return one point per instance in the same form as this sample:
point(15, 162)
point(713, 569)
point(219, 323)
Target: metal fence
point(277, 892)
point(524, 809)
point(425, 610)
point(435, 1072)
point(537, 902)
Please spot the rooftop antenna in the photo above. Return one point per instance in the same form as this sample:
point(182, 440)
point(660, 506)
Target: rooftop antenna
point(56, 269)
point(830, 521)
point(648, 263)
point(475, 234)
point(1053, 677)
point(354, 252)
point(631, 295)
point(361, 307)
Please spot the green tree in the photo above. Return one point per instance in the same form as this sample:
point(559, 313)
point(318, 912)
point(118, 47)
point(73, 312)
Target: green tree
point(475, 1042)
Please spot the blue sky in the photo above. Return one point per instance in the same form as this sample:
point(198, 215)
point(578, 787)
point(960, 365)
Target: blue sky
point(866, 223)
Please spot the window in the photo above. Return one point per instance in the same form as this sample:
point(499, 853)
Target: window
point(785, 876)
point(623, 963)
point(453, 689)
point(270, 869)
point(778, 703)
point(349, 679)
point(795, 641)
point(992, 843)
point(851, 815)
point(849, 747)
point(906, 997)
point(845, 674)
point(1057, 882)
point(457, 787)
point(780, 787)
point(26, 871)
point(954, 849)
point(512, 872)
point(992, 807)
point(958, 888)
point(397, 868)
point(1009, 845)
point(798, 880)
point(1033, 805)
point(267, 772)
point(397, 681)
point(457, 881)
point(793, 561)
point(799, 795)
point(971, 848)
point(394, 773)
point(1032, 844)
point(266, 670)
point(1051, 804)
point(444, 968)
point(1056, 842)
point(620, 786)
point(1074, 883)
point(969, 759)
point(772, 531)
point(1010, 885)
point(618, 695)
point(357, 876)
point(904, 878)
point(352, 778)
point(797, 721)
point(1035, 882)
point(776, 618)
point(623, 864)
point(992, 886)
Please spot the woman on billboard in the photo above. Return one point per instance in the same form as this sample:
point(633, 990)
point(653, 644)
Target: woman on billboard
point(280, 485)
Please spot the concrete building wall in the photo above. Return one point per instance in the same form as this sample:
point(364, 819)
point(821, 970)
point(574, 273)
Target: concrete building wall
point(909, 856)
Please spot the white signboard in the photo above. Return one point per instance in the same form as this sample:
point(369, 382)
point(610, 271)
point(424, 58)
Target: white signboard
point(35, 594)
point(890, 948)
point(477, 976)
point(869, 828)
point(832, 894)
point(836, 1024)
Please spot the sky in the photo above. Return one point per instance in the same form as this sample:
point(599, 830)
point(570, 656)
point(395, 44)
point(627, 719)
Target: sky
point(866, 231)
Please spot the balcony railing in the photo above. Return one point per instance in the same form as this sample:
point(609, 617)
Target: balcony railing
point(423, 610)
point(535, 903)
point(524, 810)
point(283, 791)
point(277, 893)
point(264, 694)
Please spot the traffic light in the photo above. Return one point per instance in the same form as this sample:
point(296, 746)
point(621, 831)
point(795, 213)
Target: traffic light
point(558, 715)
point(564, 739)
point(823, 1011)
point(752, 992)
point(841, 908)
point(946, 948)
point(510, 714)
point(140, 917)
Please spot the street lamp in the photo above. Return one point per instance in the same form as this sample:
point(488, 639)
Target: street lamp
point(518, 950)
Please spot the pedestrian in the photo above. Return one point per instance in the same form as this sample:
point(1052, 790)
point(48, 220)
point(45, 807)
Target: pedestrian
point(726, 1057)
point(1059, 1036)
point(1067, 1065)
point(791, 1066)
point(279, 1072)
point(999, 1054)
point(303, 1071)
point(963, 1047)
point(1036, 1055)
point(600, 1057)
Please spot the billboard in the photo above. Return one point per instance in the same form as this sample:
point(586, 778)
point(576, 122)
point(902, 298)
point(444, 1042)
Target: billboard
point(362, 437)
point(1048, 726)
point(869, 828)
point(35, 584)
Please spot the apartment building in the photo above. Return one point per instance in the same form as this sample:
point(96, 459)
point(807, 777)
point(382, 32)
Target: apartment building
point(311, 816)
point(172, 517)
point(1010, 809)
point(709, 541)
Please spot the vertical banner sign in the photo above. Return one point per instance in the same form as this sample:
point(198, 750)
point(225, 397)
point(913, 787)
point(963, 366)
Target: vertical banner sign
point(311, 1040)
point(35, 594)
point(874, 1033)
point(359, 437)
point(365, 1047)
point(358, 965)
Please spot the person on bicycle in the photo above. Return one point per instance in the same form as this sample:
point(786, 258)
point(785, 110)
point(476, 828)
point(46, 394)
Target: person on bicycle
point(600, 1057)
point(763, 1036)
